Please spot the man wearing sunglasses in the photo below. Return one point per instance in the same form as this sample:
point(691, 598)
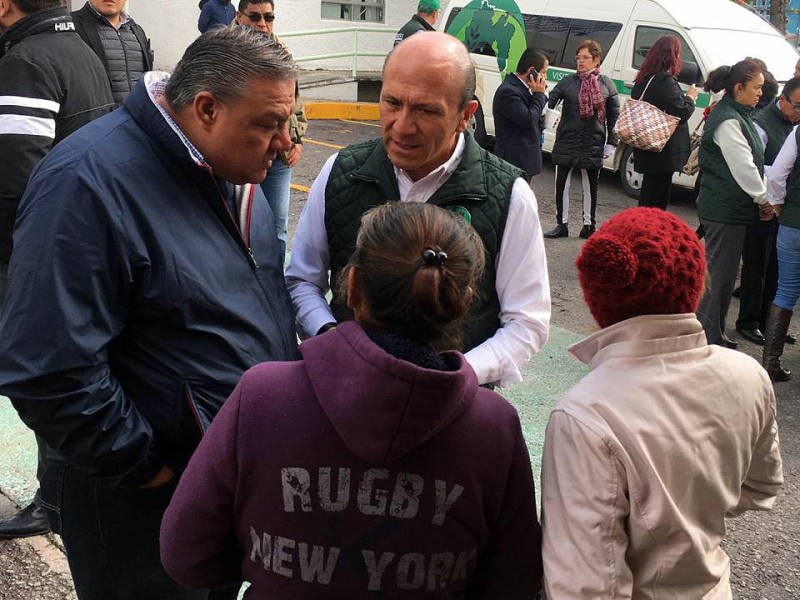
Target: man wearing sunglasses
point(260, 15)
point(215, 13)
point(759, 280)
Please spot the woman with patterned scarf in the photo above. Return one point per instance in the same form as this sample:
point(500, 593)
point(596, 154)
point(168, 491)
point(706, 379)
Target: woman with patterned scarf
point(584, 136)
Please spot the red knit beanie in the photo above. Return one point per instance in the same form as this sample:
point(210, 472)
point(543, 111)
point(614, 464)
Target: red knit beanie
point(642, 261)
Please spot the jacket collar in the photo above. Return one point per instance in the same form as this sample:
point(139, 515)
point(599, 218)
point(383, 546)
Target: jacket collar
point(142, 106)
point(54, 20)
point(646, 335)
point(740, 108)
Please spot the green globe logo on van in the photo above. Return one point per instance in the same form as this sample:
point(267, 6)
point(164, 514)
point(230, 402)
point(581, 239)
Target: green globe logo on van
point(493, 28)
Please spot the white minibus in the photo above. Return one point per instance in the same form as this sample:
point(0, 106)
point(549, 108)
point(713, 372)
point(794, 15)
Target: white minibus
point(712, 33)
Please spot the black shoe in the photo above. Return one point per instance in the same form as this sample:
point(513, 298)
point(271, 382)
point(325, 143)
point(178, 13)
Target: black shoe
point(737, 293)
point(586, 232)
point(791, 338)
point(700, 231)
point(559, 231)
point(28, 522)
point(729, 343)
point(751, 335)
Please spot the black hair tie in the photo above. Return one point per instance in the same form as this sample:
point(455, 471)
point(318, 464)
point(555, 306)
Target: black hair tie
point(434, 257)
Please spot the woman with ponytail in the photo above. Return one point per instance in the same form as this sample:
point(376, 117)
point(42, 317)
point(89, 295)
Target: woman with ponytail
point(375, 466)
point(732, 190)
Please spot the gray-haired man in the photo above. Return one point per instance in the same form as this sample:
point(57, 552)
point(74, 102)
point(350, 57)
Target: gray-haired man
point(146, 277)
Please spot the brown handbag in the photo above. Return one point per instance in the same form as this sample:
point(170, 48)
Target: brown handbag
point(643, 126)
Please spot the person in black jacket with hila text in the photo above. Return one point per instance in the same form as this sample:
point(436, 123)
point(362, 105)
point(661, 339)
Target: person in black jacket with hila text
point(50, 85)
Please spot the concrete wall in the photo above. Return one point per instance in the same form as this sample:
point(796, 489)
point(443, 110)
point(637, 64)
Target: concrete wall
point(172, 25)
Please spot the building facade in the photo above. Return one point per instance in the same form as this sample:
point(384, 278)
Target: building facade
point(172, 25)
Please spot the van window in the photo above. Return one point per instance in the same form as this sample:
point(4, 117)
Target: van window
point(559, 36)
point(647, 36)
point(555, 36)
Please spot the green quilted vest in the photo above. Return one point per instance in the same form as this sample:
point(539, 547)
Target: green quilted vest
point(790, 211)
point(362, 177)
point(771, 120)
point(720, 198)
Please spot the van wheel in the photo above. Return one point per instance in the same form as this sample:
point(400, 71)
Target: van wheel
point(631, 180)
point(477, 128)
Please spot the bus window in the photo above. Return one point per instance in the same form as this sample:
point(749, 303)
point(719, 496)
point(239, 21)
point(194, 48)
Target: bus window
point(548, 34)
point(602, 32)
point(647, 36)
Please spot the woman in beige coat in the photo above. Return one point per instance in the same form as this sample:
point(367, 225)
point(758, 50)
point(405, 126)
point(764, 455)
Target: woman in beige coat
point(664, 438)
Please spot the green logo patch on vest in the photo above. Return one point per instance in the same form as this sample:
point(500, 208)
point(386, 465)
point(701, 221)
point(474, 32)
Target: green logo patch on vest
point(461, 210)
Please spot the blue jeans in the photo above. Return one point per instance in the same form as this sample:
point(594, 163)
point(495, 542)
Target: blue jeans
point(788, 267)
point(276, 188)
point(111, 538)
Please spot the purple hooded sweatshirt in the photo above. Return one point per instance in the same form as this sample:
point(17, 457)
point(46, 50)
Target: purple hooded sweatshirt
point(354, 474)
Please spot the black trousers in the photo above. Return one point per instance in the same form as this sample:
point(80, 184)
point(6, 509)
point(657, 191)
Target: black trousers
point(111, 538)
point(724, 245)
point(589, 179)
point(759, 280)
point(656, 190)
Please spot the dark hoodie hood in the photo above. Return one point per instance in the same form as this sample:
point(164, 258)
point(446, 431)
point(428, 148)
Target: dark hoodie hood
point(383, 407)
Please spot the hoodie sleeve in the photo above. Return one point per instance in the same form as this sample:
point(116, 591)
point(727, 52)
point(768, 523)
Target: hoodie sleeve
point(199, 548)
point(510, 566)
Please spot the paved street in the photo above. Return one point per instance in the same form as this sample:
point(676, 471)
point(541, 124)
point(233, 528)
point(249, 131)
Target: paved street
point(765, 548)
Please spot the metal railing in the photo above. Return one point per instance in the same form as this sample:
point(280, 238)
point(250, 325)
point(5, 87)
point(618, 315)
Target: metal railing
point(354, 54)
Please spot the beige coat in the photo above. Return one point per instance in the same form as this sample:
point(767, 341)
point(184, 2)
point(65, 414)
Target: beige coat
point(645, 457)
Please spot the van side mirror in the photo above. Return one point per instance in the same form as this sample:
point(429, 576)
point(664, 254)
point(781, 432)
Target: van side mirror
point(690, 73)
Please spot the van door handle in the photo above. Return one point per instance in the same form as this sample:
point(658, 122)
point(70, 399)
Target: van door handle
point(627, 84)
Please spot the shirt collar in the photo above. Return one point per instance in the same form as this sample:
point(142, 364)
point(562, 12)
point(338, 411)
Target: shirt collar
point(446, 168)
point(527, 87)
point(156, 84)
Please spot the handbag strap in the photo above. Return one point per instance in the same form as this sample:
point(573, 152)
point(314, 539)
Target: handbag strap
point(647, 86)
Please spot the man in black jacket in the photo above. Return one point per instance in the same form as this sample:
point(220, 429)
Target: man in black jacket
point(50, 85)
point(427, 13)
point(517, 107)
point(118, 41)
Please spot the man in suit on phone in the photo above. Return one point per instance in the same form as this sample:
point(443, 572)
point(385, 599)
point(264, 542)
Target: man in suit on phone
point(517, 109)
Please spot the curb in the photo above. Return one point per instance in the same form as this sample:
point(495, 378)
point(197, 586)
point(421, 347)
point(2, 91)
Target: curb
point(351, 111)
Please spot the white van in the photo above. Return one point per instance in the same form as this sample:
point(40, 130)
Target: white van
point(712, 33)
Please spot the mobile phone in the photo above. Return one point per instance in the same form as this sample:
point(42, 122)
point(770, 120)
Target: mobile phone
point(533, 76)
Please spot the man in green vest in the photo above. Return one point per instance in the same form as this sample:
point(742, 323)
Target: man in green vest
point(426, 155)
point(759, 280)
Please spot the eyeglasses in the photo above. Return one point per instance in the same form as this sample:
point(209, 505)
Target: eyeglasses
point(581, 57)
point(256, 17)
point(795, 105)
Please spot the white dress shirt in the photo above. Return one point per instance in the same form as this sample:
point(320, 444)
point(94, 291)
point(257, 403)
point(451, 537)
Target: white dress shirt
point(522, 283)
point(780, 169)
point(739, 158)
